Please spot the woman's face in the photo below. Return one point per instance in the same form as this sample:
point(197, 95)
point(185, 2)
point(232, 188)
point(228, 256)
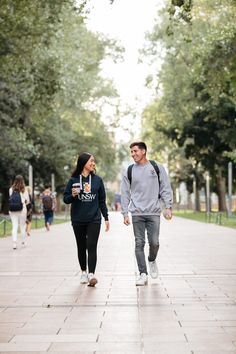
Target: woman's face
point(90, 165)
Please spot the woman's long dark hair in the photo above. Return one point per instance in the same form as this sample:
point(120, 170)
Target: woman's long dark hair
point(19, 184)
point(81, 162)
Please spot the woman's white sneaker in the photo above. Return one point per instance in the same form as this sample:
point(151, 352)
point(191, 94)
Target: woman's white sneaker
point(84, 278)
point(142, 279)
point(92, 280)
point(153, 269)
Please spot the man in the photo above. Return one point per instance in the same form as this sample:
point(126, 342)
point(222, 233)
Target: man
point(144, 186)
point(48, 206)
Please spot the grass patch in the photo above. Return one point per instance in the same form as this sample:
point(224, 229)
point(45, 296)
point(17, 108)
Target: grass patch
point(214, 217)
point(37, 223)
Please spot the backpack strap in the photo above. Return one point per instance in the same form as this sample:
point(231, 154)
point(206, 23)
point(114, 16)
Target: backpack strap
point(156, 168)
point(129, 173)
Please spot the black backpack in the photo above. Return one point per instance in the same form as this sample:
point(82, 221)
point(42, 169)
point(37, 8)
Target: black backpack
point(156, 168)
point(15, 202)
point(47, 203)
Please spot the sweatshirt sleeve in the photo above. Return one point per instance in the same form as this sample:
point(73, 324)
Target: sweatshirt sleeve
point(165, 188)
point(102, 201)
point(67, 197)
point(125, 195)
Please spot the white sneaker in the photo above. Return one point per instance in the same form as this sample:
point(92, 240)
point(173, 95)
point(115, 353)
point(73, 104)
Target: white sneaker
point(84, 278)
point(92, 280)
point(153, 269)
point(142, 279)
point(14, 246)
point(24, 243)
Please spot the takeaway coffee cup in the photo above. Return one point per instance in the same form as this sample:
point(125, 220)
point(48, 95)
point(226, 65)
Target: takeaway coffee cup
point(76, 185)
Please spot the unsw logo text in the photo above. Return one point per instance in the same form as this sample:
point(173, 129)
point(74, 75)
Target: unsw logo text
point(87, 197)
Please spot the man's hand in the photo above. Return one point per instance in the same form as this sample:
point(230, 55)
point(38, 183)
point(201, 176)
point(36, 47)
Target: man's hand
point(107, 225)
point(126, 220)
point(167, 214)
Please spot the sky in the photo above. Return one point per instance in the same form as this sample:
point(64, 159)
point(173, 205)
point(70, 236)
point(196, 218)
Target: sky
point(127, 21)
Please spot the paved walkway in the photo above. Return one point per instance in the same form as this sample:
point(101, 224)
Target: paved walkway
point(190, 309)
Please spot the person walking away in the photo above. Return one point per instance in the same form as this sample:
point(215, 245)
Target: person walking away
point(144, 187)
point(48, 205)
point(86, 193)
point(29, 208)
point(18, 199)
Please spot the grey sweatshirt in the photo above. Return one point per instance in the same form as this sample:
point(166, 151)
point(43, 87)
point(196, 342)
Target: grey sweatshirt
point(141, 198)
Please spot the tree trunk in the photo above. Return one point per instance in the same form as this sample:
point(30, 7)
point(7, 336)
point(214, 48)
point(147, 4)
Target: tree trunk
point(207, 201)
point(5, 201)
point(221, 190)
point(197, 197)
point(197, 201)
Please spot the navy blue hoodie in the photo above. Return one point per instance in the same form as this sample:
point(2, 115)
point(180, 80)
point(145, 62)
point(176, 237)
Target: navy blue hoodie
point(87, 207)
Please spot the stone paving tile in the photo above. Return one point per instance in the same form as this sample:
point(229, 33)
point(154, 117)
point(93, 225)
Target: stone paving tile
point(61, 338)
point(30, 329)
point(96, 347)
point(191, 331)
point(167, 348)
point(211, 346)
point(214, 352)
point(210, 337)
point(118, 352)
point(231, 330)
point(9, 328)
point(13, 318)
point(24, 347)
point(43, 352)
point(5, 337)
point(193, 323)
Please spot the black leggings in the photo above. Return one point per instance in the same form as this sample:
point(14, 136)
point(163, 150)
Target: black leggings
point(86, 240)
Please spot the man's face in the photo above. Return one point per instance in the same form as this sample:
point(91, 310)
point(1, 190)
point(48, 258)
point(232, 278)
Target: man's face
point(137, 153)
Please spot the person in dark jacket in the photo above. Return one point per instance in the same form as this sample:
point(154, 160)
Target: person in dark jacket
point(86, 193)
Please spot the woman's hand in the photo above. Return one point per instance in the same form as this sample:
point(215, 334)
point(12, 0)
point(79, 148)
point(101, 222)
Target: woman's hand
point(107, 225)
point(74, 192)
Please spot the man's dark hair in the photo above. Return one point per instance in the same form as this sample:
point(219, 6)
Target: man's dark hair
point(46, 186)
point(140, 144)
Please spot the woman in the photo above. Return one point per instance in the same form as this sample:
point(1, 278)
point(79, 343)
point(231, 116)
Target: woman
point(86, 193)
point(19, 197)
point(29, 208)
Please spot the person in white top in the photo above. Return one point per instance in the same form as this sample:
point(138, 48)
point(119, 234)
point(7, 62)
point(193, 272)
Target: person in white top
point(18, 217)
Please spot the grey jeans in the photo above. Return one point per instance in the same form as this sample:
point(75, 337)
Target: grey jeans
point(141, 223)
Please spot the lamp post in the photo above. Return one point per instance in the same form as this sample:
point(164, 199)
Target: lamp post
point(31, 177)
point(194, 193)
point(53, 182)
point(230, 181)
point(208, 197)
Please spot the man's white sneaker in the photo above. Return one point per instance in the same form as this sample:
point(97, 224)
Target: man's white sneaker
point(92, 280)
point(84, 278)
point(142, 279)
point(153, 269)
point(14, 246)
